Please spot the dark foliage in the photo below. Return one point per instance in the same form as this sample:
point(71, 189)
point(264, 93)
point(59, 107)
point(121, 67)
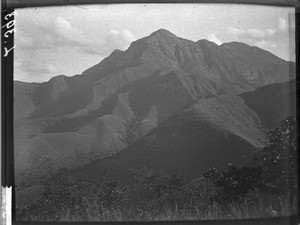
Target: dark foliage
point(279, 161)
point(160, 186)
point(234, 183)
point(275, 174)
point(196, 195)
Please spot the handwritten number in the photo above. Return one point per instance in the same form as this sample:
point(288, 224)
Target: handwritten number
point(9, 15)
point(7, 51)
point(9, 24)
point(8, 32)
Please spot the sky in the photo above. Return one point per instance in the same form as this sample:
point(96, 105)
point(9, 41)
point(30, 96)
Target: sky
point(67, 40)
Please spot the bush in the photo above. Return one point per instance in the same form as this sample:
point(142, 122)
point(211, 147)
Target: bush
point(196, 195)
point(159, 187)
point(233, 183)
point(275, 175)
point(279, 161)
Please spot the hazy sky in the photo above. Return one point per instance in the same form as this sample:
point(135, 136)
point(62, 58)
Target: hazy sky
point(68, 40)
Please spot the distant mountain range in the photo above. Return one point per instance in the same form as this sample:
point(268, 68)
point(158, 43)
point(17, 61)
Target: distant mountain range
point(166, 102)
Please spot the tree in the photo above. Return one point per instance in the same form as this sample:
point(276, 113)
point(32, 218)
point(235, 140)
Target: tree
point(279, 161)
point(234, 183)
point(158, 186)
point(275, 174)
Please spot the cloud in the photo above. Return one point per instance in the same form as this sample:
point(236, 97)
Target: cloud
point(278, 39)
point(261, 35)
point(60, 33)
point(235, 31)
point(39, 47)
point(35, 69)
point(271, 31)
point(263, 38)
point(54, 34)
point(265, 44)
point(114, 39)
point(212, 37)
point(257, 34)
point(69, 35)
point(282, 24)
point(119, 39)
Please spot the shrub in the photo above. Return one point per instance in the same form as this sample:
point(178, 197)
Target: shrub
point(275, 175)
point(279, 161)
point(159, 187)
point(74, 195)
point(196, 195)
point(233, 183)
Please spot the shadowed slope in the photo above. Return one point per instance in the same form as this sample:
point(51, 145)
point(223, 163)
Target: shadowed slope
point(273, 102)
point(211, 132)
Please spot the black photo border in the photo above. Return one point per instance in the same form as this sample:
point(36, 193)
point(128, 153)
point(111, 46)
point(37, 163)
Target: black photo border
point(7, 149)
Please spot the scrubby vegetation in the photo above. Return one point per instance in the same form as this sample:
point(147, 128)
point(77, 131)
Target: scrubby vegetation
point(265, 190)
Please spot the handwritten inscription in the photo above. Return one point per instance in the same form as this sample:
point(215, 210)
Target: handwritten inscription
point(9, 27)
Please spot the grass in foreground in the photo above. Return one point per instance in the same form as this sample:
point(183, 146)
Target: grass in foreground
point(274, 206)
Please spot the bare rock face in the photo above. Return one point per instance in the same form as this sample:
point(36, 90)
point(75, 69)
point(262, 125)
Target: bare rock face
point(68, 122)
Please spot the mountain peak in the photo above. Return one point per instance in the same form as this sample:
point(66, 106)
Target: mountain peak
point(207, 43)
point(58, 77)
point(162, 32)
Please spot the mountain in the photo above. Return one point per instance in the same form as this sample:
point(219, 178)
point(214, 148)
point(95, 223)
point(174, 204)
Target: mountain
point(69, 122)
point(211, 132)
point(273, 102)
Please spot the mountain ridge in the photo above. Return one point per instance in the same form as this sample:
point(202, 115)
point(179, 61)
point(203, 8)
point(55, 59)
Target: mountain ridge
point(165, 33)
